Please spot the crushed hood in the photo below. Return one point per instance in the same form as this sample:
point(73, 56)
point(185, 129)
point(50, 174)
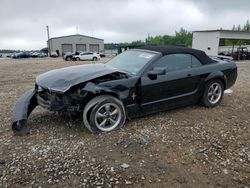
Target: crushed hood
point(61, 80)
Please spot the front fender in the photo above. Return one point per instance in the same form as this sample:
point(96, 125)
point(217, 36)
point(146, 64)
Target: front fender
point(22, 109)
point(96, 89)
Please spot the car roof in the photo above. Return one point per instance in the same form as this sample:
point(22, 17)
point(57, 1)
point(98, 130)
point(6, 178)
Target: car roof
point(165, 50)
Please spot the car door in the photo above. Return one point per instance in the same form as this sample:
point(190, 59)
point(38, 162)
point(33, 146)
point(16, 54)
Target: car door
point(89, 55)
point(172, 88)
point(83, 56)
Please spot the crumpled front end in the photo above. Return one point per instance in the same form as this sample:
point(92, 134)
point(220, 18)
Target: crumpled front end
point(22, 109)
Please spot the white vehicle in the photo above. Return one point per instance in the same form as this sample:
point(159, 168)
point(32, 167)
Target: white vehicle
point(53, 54)
point(87, 56)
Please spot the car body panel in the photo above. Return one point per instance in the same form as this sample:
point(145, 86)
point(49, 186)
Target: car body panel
point(60, 80)
point(22, 109)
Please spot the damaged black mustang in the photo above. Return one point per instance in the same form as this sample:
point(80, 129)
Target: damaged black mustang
point(135, 83)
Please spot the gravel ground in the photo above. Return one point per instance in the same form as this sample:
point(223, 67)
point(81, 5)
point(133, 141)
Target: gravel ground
point(187, 147)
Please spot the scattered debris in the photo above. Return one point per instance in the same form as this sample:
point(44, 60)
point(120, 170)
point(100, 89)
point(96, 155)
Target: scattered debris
point(124, 165)
point(2, 161)
point(143, 141)
point(180, 179)
point(225, 171)
point(228, 91)
point(248, 156)
point(128, 182)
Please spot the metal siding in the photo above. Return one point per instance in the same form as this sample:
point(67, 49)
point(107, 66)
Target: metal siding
point(56, 43)
point(67, 48)
point(81, 47)
point(206, 41)
point(94, 47)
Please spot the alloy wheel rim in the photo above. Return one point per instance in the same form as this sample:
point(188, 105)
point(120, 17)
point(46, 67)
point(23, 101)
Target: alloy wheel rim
point(108, 117)
point(214, 93)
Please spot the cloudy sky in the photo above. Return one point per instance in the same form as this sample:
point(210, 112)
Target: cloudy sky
point(23, 22)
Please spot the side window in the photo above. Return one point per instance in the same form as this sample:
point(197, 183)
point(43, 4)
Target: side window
point(174, 62)
point(195, 62)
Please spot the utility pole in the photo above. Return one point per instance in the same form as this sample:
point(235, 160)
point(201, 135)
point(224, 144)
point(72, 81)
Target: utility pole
point(48, 40)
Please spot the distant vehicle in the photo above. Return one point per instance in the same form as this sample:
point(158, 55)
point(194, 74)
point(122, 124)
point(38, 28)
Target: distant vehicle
point(42, 54)
point(38, 54)
point(242, 53)
point(53, 54)
point(102, 54)
point(19, 55)
point(225, 53)
point(68, 56)
point(86, 56)
point(1, 55)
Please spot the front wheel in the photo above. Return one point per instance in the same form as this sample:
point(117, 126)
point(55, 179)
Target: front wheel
point(94, 59)
point(213, 93)
point(104, 114)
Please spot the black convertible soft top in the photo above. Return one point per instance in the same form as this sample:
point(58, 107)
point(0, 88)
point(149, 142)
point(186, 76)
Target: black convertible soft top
point(165, 50)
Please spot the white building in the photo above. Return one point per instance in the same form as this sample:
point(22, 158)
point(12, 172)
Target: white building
point(72, 43)
point(208, 40)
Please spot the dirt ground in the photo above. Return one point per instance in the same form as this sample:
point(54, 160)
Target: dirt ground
point(187, 147)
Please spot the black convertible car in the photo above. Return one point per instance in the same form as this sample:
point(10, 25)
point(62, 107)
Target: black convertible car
point(135, 83)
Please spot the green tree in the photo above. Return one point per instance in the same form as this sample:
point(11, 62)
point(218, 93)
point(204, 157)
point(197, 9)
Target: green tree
point(182, 37)
point(246, 26)
point(239, 28)
point(234, 28)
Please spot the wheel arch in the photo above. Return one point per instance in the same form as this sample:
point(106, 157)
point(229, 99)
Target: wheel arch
point(92, 102)
point(219, 76)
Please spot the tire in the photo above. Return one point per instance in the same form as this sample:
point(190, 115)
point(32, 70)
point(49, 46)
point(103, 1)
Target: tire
point(212, 96)
point(77, 59)
point(68, 59)
point(98, 105)
point(94, 59)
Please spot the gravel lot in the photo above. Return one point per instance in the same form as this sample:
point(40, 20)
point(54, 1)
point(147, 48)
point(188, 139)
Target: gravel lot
point(187, 147)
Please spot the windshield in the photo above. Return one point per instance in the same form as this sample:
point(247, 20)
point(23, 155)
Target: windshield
point(131, 61)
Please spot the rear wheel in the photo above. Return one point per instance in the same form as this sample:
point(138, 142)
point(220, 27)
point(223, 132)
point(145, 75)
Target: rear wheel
point(94, 58)
point(68, 59)
point(77, 59)
point(104, 114)
point(213, 93)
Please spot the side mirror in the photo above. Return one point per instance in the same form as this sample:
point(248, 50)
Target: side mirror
point(156, 71)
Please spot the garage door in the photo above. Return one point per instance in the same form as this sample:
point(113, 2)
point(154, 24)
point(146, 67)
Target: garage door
point(67, 48)
point(94, 47)
point(81, 47)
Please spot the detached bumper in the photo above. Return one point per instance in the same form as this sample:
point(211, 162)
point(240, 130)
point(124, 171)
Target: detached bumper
point(22, 109)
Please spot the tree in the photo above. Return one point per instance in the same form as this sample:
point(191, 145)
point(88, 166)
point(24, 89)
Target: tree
point(246, 26)
point(234, 28)
point(182, 37)
point(239, 28)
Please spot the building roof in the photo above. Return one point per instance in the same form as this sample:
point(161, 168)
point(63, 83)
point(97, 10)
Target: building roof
point(223, 31)
point(76, 35)
point(165, 50)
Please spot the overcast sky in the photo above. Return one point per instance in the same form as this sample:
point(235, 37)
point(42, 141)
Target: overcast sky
point(23, 22)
